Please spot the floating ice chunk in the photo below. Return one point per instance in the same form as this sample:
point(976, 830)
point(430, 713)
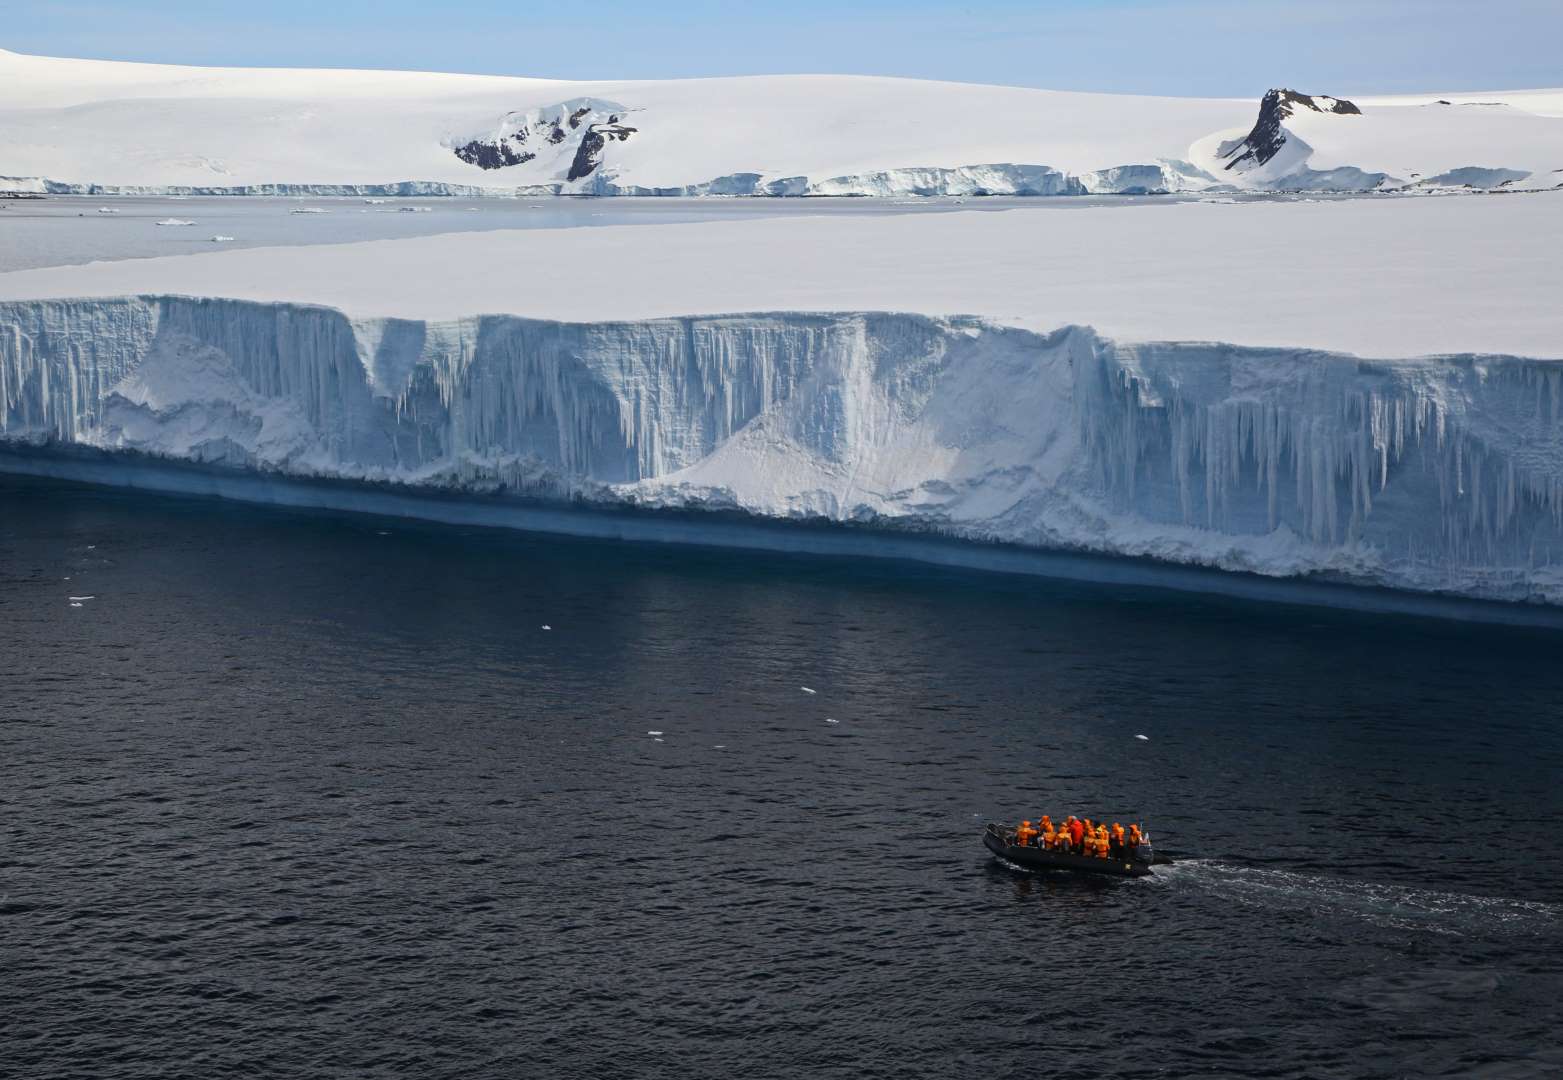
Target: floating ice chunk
point(806, 690)
point(175, 221)
point(308, 210)
point(84, 598)
point(374, 202)
point(75, 605)
point(719, 746)
point(658, 740)
point(547, 627)
point(107, 210)
point(828, 720)
point(1143, 738)
point(653, 733)
point(414, 209)
point(220, 239)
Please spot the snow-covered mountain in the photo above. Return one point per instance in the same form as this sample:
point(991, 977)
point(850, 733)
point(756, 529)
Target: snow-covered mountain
point(105, 127)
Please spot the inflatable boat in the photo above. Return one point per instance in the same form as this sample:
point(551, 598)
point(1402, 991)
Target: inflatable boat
point(1133, 862)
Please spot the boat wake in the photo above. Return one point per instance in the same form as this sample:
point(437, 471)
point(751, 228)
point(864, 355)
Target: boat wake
point(1380, 903)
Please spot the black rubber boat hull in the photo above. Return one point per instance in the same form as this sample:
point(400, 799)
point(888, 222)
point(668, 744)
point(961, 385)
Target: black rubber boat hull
point(1033, 858)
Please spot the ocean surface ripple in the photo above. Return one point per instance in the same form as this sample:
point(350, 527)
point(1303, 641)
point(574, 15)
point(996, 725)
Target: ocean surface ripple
point(319, 796)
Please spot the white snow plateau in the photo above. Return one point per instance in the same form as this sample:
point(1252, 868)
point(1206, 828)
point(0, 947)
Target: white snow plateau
point(101, 127)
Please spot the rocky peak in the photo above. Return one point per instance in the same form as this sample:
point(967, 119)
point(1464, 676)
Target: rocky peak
point(574, 132)
point(1268, 136)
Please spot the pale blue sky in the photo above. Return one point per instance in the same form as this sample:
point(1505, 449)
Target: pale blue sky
point(1211, 47)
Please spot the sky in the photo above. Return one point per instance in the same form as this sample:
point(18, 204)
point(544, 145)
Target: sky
point(1225, 48)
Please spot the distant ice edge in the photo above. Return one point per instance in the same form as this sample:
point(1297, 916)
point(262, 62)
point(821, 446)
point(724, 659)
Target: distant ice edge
point(1165, 177)
point(1440, 474)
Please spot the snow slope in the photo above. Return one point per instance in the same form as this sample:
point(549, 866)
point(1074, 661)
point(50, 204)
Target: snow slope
point(105, 126)
point(1244, 446)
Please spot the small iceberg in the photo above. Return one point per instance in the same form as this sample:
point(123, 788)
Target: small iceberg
point(176, 221)
point(547, 627)
point(84, 598)
point(107, 210)
point(653, 733)
point(374, 202)
point(414, 209)
point(806, 690)
point(1143, 738)
point(220, 239)
point(308, 210)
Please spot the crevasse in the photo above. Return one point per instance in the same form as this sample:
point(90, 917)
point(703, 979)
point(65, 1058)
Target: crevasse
point(1441, 474)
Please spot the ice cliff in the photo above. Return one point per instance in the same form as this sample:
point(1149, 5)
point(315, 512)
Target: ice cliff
point(1439, 474)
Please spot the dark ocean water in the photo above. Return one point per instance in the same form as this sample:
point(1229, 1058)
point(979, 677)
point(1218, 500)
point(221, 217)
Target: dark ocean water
point(309, 796)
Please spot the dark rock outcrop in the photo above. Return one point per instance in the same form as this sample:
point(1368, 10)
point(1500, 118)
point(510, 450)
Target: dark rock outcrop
point(492, 155)
point(589, 154)
point(1268, 136)
point(577, 128)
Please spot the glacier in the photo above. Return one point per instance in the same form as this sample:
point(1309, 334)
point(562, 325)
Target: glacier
point(1436, 474)
point(103, 127)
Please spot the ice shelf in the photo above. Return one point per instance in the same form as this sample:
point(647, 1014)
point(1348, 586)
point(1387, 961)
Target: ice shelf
point(1440, 474)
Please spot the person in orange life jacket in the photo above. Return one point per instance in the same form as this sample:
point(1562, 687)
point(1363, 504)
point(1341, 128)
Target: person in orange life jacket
point(1025, 834)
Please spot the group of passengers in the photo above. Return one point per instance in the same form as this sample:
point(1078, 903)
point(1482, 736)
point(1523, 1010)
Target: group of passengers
point(1080, 837)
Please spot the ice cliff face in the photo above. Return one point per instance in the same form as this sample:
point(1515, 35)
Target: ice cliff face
point(1440, 474)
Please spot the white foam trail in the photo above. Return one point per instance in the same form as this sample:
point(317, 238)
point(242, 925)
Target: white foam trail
point(1377, 902)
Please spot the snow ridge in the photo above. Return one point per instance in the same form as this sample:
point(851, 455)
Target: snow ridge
point(1437, 474)
point(99, 127)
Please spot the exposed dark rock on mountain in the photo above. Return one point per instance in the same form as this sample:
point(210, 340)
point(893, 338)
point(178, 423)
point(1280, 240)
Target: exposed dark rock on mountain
point(520, 137)
point(589, 154)
point(1268, 136)
point(494, 155)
